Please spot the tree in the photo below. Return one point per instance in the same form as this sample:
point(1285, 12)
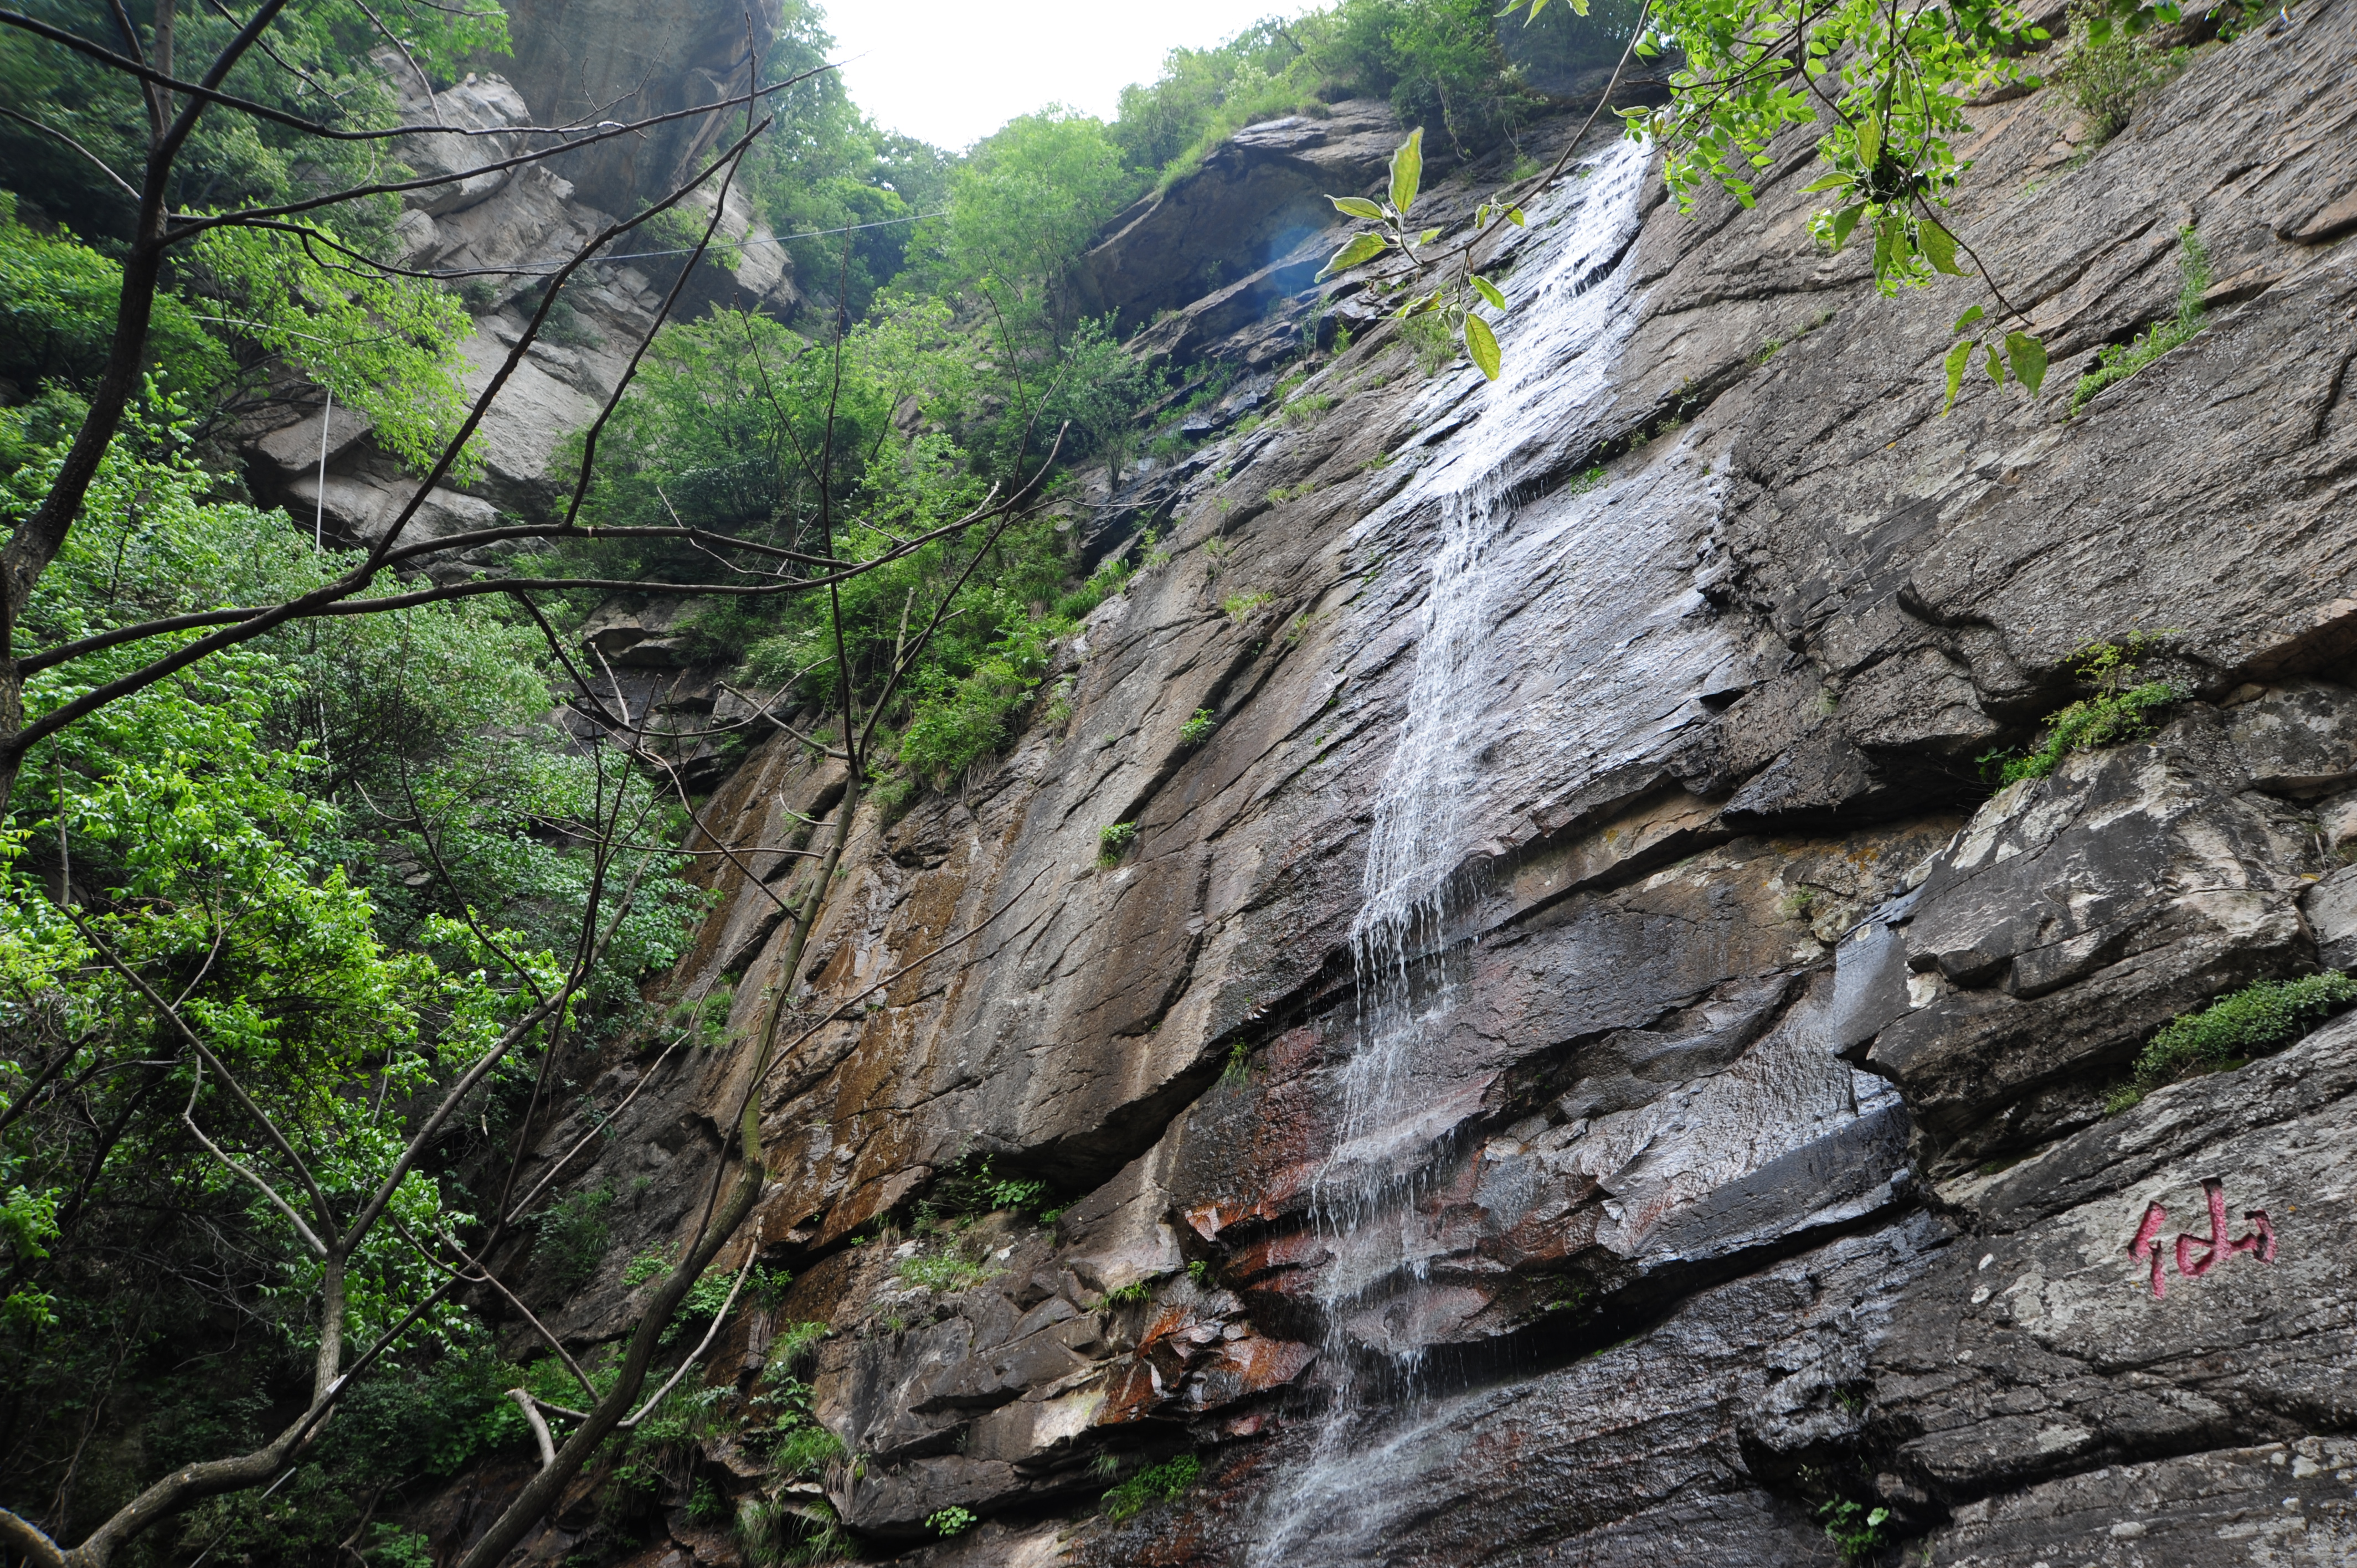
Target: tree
point(1024, 207)
point(194, 903)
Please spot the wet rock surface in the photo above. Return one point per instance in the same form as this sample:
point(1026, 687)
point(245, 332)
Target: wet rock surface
point(1751, 1159)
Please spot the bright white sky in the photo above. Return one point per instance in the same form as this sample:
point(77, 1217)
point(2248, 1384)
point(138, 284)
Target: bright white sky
point(952, 71)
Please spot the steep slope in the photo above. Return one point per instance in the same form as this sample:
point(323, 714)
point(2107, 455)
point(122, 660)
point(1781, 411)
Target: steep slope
point(1575, 1066)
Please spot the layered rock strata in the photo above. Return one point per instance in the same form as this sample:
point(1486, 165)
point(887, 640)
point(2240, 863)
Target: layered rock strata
point(1755, 1143)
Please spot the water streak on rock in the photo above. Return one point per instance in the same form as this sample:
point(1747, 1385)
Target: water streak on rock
point(1566, 316)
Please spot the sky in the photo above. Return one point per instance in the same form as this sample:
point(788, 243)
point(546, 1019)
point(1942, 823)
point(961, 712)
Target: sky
point(952, 71)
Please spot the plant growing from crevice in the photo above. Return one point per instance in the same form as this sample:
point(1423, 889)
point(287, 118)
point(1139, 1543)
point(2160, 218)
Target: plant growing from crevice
point(2263, 1017)
point(572, 1238)
point(2115, 713)
point(1114, 841)
point(1165, 1483)
point(2116, 362)
point(1241, 608)
point(2108, 66)
point(951, 1520)
point(1855, 1529)
point(1198, 728)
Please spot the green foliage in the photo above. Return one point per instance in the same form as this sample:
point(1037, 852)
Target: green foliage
point(230, 160)
point(2115, 713)
point(573, 1235)
point(957, 722)
point(1855, 1530)
point(244, 836)
point(786, 1534)
point(943, 1274)
point(1114, 841)
point(1198, 728)
point(1241, 608)
point(804, 1449)
point(385, 346)
point(1899, 82)
point(794, 1345)
point(390, 1546)
point(2262, 1016)
point(1165, 1483)
point(1022, 207)
point(58, 299)
point(1129, 1294)
point(952, 1521)
point(2118, 361)
point(728, 430)
point(2107, 68)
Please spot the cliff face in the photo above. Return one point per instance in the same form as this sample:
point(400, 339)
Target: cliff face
point(502, 232)
point(1575, 1067)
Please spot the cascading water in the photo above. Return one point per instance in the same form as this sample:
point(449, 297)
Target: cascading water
point(1563, 323)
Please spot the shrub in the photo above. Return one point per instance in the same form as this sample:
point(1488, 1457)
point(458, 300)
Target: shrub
point(2260, 1017)
point(958, 722)
point(792, 1346)
point(1198, 729)
point(573, 1237)
point(1114, 841)
point(803, 1448)
point(2107, 67)
point(1165, 1483)
point(2118, 361)
point(952, 1521)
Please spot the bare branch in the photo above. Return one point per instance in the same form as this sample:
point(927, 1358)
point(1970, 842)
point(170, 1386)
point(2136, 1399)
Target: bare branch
point(189, 1118)
point(96, 162)
point(701, 1346)
point(325, 1215)
point(539, 1428)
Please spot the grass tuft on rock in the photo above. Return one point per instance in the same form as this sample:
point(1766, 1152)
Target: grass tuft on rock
point(2261, 1017)
point(1166, 1483)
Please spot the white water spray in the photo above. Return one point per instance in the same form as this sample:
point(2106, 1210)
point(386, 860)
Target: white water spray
point(1564, 322)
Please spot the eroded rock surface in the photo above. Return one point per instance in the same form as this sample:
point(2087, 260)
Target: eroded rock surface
point(1751, 1160)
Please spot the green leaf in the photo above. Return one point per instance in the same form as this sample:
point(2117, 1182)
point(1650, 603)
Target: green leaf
point(1407, 171)
point(1481, 216)
point(1876, 1517)
point(1994, 366)
point(1357, 207)
point(1966, 319)
point(1831, 182)
point(1417, 305)
point(1427, 237)
point(1483, 343)
point(1363, 248)
point(2028, 357)
point(1940, 249)
point(1578, 7)
point(1869, 143)
point(1515, 216)
point(1844, 222)
point(1489, 291)
point(1959, 360)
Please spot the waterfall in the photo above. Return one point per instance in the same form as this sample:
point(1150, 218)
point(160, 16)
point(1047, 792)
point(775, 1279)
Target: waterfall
point(1563, 323)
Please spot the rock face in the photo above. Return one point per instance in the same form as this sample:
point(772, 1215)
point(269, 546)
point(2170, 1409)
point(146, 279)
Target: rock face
point(506, 229)
point(1578, 1067)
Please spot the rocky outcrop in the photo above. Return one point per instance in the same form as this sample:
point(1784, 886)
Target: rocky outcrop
point(501, 232)
point(1749, 1163)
